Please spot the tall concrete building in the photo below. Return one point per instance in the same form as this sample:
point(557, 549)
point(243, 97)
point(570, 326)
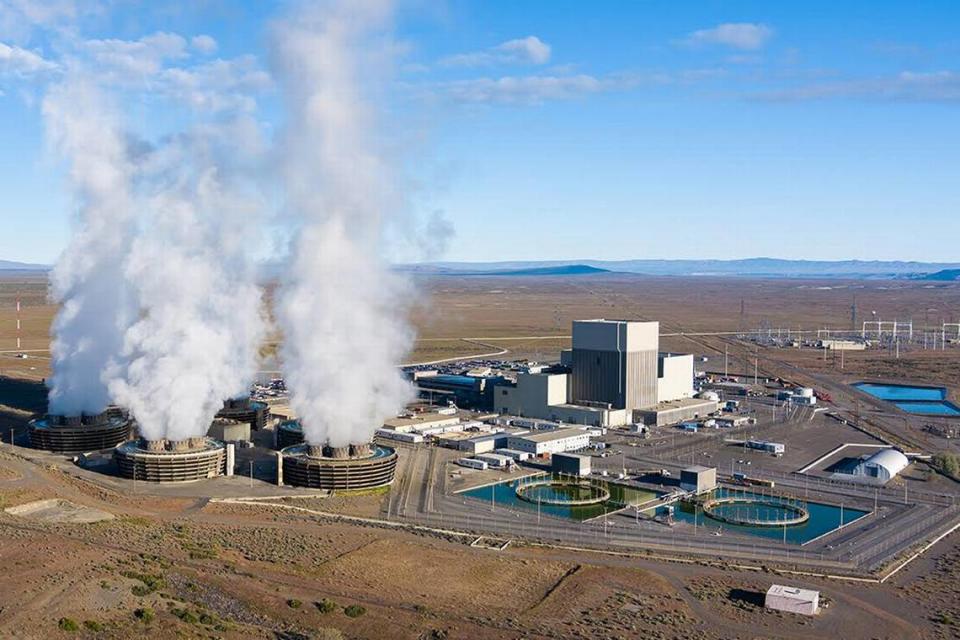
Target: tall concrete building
point(612, 376)
point(614, 362)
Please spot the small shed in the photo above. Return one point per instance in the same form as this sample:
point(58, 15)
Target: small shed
point(698, 479)
point(793, 600)
point(570, 463)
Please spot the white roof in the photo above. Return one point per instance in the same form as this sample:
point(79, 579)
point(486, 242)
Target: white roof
point(793, 593)
point(493, 456)
point(557, 434)
point(890, 459)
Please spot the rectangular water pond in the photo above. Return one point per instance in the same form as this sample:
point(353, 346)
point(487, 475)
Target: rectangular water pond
point(926, 401)
point(541, 495)
point(823, 519)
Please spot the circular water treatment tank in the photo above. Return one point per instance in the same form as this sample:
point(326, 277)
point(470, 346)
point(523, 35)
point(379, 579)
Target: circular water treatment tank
point(357, 466)
point(76, 434)
point(756, 511)
point(171, 461)
point(568, 493)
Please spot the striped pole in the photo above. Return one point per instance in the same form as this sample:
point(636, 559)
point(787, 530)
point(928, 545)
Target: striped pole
point(18, 320)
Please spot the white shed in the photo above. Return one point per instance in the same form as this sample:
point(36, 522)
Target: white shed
point(793, 600)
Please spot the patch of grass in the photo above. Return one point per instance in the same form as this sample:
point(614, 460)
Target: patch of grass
point(355, 493)
point(149, 582)
point(293, 603)
point(93, 625)
point(354, 611)
point(68, 624)
point(326, 606)
point(944, 618)
point(185, 615)
point(144, 615)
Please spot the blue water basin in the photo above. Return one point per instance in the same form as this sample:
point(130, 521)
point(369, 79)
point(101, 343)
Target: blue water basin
point(925, 401)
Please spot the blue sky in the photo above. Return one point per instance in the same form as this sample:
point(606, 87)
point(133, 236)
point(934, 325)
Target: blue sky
point(564, 130)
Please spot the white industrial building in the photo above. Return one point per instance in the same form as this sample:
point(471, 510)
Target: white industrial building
point(614, 369)
point(883, 466)
point(793, 600)
point(698, 479)
point(496, 460)
point(548, 442)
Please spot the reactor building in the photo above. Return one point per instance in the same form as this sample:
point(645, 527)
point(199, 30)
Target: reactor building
point(614, 375)
point(76, 434)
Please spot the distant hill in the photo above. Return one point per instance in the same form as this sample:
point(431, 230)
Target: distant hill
point(559, 270)
point(7, 265)
point(940, 276)
point(750, 267)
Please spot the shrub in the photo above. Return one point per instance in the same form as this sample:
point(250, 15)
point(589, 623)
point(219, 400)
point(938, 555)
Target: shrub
point(67, 624)
point(354, 611)
point(948, 464)
point(144, 615)
point(293, 603)
point(149, 583)
point(185, 615)
point(93, 625)
point(326, 606)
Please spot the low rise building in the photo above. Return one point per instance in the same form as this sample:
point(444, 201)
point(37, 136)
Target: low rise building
point(698, 479)
point(519, 456)
point(882, 466)
point(675, 411)
point(570, 463)
point(420, 421)
point(549, 442)
point(793, 600)
point(495, 460)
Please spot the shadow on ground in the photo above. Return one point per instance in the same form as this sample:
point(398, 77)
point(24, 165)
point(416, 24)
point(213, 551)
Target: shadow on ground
point(743, 596)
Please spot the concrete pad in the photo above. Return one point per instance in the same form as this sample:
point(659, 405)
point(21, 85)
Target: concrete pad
point(59, 511)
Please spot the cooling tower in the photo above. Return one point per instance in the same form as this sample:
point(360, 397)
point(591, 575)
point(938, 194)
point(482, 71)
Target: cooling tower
point(171, 461)
point(76, 434)
point(357, 466)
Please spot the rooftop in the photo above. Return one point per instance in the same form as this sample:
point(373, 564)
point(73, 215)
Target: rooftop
point(557, 434)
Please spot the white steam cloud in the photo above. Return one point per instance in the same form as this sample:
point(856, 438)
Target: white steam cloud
point(160, 309)
point(87, 280)
point(342, 311)
point(195, 343)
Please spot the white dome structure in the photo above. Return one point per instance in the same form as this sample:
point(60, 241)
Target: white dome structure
point(884, 465)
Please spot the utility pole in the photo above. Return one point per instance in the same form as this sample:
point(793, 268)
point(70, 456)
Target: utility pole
point(18, 321)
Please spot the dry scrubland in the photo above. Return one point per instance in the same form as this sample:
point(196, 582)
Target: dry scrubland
point(186, 568)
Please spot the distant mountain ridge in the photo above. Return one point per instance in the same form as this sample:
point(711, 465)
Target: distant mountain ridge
point(558, 270)
point(946, 275)
point(755, 267)
point(9, 265)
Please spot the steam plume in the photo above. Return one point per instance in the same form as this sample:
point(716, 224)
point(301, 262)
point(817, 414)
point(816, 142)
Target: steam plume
point(87, 280)
point(341, 310)
point(195, 343)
